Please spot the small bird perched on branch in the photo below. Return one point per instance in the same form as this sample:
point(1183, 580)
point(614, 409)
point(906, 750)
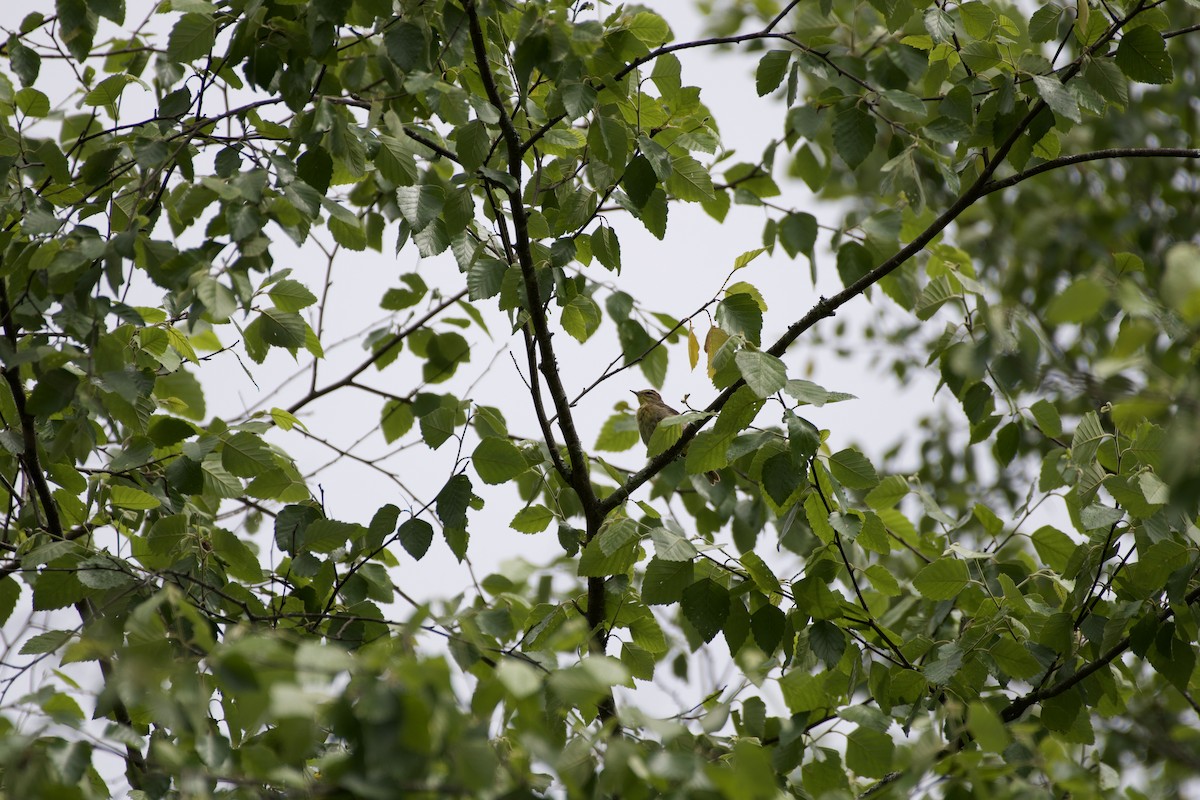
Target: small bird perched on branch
point(651, 411)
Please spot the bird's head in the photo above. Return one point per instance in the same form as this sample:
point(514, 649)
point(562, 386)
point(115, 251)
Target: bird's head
point(647, 396)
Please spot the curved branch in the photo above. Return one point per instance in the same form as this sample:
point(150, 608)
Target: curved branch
point(1095, 155)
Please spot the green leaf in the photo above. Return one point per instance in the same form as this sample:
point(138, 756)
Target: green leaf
point(707, 452)
point(780, 478)
point(809, 393)
point(771, 69)
point(1015, 659)
point(485, 277)
point(438, 426)
point(740, 313)
point(853, 135)
point(77, 26)
point(882, 580)
point(498, 460)
point(705, 605)
point(1058, 97)
point(1043, 25)
point(651, 29)
point(383, 523)
point(607, 248)
point(134, 499)
point(579, 99)
point(532, 519)
point(1142, 56)
point(1078, 303)
point(46, 642)
point(869, 752)
point(689, 180)
point(108, 90)
point(937, 293)
point(827, 641)
point(1086, 441)
point(415, 537)
point(279, 328)
point(396, 419)
point(1107, 79)
point(852, 469)
point(246, 455)
point(595, 562)
point(32, 102)
point(805, 692)
point(985, 725)
point(192, 38)
point(768, 624)
point(890, 491)
point(1047, 418)
point(25, 61)
point(395, 160)
point(57, 590)
point(665, 581)
point(1054, 547)
point(10, 592)
point(55, 390)
point(581, 317)
point(942, 579)
point(942, 669)
point(290, 295)
point(746, 258)
point(764, 373)
point(420, 205)
point(618, 433)
point(327, 535)
point(452, 501)
point(608, 138)
point(798, 234)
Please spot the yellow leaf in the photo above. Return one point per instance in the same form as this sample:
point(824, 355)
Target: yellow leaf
point(693, 348)
point(712, 343)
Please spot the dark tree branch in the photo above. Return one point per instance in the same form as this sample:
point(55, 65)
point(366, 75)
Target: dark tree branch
point(578, 476)
point(396, 339)
point(1019, 706)
point(548, 366)
point(539, 407)
point(29, 457)
point(826, 307)
point(862, 601)
point(1095, 155)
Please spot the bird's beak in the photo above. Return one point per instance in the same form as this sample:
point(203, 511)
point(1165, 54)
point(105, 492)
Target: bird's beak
point(633, 391)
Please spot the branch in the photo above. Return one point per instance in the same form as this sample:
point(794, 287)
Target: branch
point(826, 307)
point(539, 407)
point(578, 477)
point(1018, 707)
point(29, 453)
point(765, 33)
point(862, 601)
point(609, 372)
point(1095, 155)
point(378, 354)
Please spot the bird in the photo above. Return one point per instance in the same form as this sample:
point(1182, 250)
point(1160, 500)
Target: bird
point(651, 411)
